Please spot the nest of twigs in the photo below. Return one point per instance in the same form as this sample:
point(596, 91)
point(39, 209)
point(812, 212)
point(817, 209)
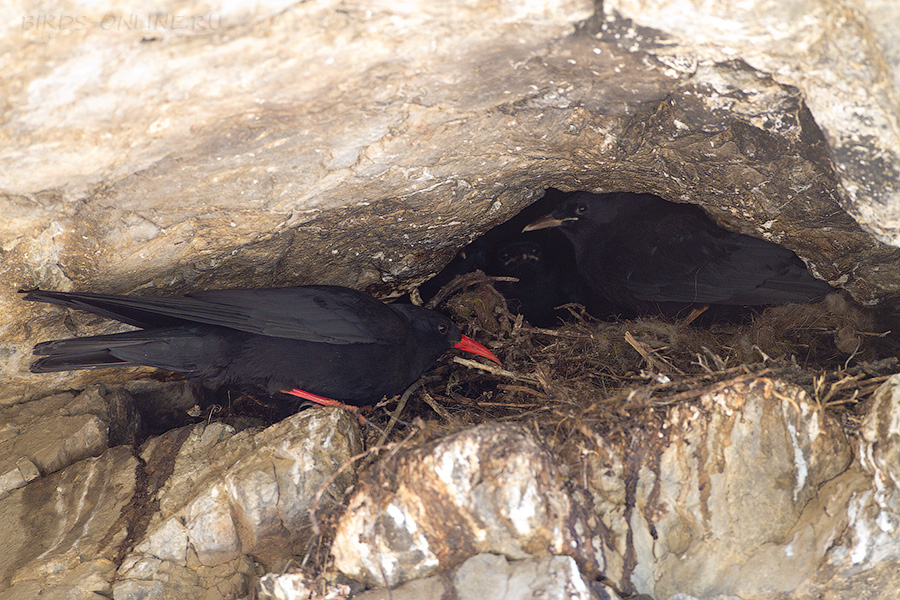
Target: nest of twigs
point(614, 376)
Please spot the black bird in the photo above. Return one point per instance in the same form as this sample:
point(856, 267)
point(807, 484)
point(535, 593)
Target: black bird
point(317, 342)
point(542, 261)
point(546, 277)
point(647, 255)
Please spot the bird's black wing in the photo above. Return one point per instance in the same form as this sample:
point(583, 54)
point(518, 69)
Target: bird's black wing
point(331, 314)
point(740, 273)
point(689, 259)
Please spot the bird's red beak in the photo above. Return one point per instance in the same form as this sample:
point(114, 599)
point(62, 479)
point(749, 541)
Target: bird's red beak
point(470, 345)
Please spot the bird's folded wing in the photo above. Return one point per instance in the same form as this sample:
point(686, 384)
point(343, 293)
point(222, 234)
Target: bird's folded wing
point(739, 270)
point(329, 314)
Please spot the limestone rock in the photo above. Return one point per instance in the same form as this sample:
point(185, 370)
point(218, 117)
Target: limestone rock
point(843, 57)
point(717, 495)
point(490, 488)
point(488, 576)
point(493, 577)
point(203, 510)
point(62, 532)
point(879, 442)
point(425, 588)
point(863, 557)
point(341, 142)
point(227, 500)
point(44, 436)
point(296, 586)
point(716, 597)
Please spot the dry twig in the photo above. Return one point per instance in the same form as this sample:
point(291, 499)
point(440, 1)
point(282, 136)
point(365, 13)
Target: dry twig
point(658, 363)
point(464, 281)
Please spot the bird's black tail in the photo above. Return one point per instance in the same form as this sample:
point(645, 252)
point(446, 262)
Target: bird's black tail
point(176, 349)
point(81, 353)
point(95, 352)
point(72, 362)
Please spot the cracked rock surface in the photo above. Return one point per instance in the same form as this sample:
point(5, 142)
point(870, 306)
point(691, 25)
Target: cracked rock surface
point(754, 478)
point(487, 489)
point(200, 508)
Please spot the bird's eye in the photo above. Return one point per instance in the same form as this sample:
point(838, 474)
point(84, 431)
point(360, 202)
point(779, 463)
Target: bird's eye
point(504, 255)
point(442, 328)
point(580, 208)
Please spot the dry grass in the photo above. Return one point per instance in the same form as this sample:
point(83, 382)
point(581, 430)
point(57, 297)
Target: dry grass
point(610, 377)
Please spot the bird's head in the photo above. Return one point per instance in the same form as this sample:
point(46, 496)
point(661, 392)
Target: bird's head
point(577, 211)
point(438, 333)
point(518, 252)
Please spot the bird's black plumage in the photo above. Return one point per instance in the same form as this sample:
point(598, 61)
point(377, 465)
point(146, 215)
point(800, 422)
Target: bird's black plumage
point(542, 261)
point(329, 341)
point(546, 277)
point(645, 254)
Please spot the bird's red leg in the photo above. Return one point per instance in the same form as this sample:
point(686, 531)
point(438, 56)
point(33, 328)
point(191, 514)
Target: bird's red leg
point(325, 402)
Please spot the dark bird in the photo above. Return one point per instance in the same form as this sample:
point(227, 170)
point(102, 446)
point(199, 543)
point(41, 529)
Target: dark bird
point(646, 255)
point(546, 277)
point(542, 261)
point(317, 342)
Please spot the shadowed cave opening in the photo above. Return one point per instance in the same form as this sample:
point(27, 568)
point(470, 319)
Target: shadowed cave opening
point(543, 262)
point(654, 263)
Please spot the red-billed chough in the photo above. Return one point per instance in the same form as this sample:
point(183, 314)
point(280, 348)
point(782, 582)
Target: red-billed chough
point(546, 275)
point(317, 342)
point(644, 254)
